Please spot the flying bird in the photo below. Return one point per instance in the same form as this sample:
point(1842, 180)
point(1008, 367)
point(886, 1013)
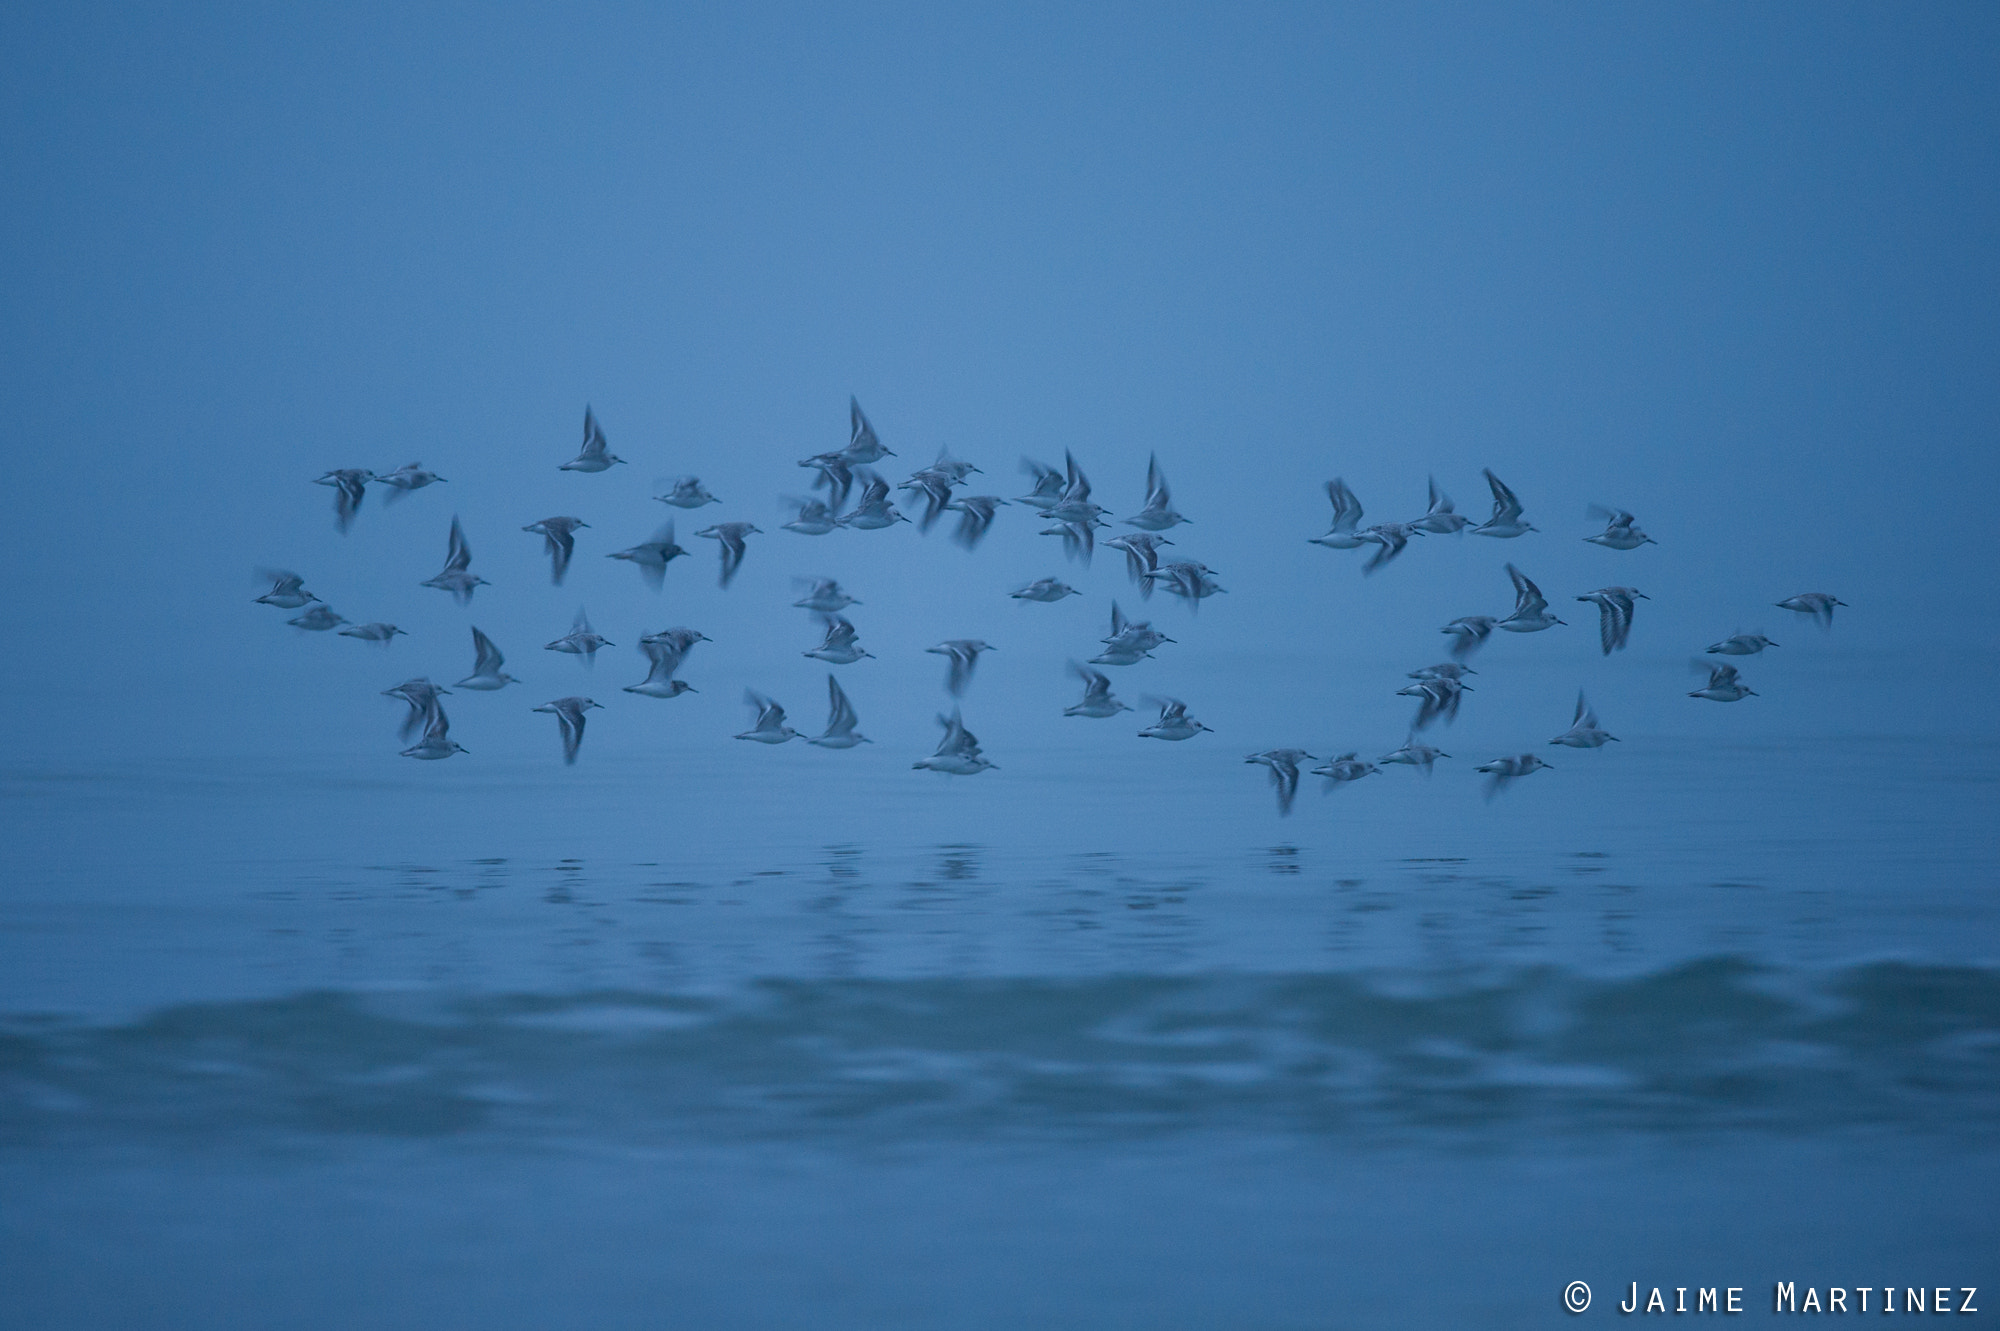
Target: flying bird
point(841, 720)
point(317, 618)
point(1502, 771)
point(1742, 644)
point(1531, 608)
point(687, 492)
point(437, 742)
point(840, 647)
point(1097, 700)
point(1468, 632)
point(422, 698)
point(1174, 722)
point(1413, 754)
point(559, 540)
point(958, 752)
point(652, 557)
point(457, 577)
point(488, 671)
point(1723, 683)
point(377, 632)
point(1346, 515)
point(663, 659)
point(1621, 530)
point(406, 478)
point(770, 727)
point(1614, 619)
point(1158, 514)
point(1045, 589)
point(1819, 605)
point(569, 716)
point(964, 654)
point(581, 640)
point(350, 487)
point(1584, 732)
point(288, 590)
point(1506, 520)
point(1347, 767)
point(596, 455)
point(1284, 769)
point(1440, 519)
point(731, 536)
point(824, 595)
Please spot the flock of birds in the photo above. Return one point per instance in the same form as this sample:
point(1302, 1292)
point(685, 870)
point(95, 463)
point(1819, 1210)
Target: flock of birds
point(1062, 498)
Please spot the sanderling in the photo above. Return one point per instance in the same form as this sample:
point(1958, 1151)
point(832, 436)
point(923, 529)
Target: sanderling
point(975, 516)
point(1742, 644)
point(663, 659)
point(1621, 530)
point(1506, 519)
point(862, 443)
point(1413, 754)
point(1438, 697)
point(410, 476)
point(731, 536)
point(596, 456)
point(288, 590)
point(1174, 722)
point(836, 476)
point(1531, 608)
point(840, 648)
point(1443, 670)
point(422, 697)
point(770, 727)
point(840, 721)
point(964, 654)
point(652, 557)
point(1817, 604)
point(824, 595)
point(687, 492)
point(350, 486)
point(958, 752)
point(1468, 631)
point(1284, 769)
point(317, 618)
point(487, 666)
point(1158, 514)
point(1097, 699)
point(1584, 732)
point(1441, 519)
point(873, 511)
point(1044, 589)
point(1347, 767)
point(580, 640)
point(1049, 485)
point(377, 632)
point(457, 577)
point(437, 741)
point(815, 518)
point(1614, 619)
point(1346, 513)
point(1723, 684)
point(1502, 770)
point(559, 540)
point(1389, 538)
point(1142, 556)
point(569, 716)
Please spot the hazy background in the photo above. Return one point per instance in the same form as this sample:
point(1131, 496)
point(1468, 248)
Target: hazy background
point(1730, 268)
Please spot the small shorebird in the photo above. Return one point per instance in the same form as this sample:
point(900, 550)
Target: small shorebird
point(815, 517)
point(1413, 754)
point(350, 487)
point(376, 632)
point(1584, 732)
point(770, 727)
point(1441, 519)
point(1503, 770)
point(1049, 486)
point(1284, 768)
point(317, 618)
point(580, 640)
point(975, 515)
point(687, 492)
point(964, 654)
point(873, 511)
point(1346, 514)
point(1506, 520)
point(1531, 608)
point(1097, 699)
point(824, 595)
point(288, 590)
point(1158, 514)
point(1468, 631)
point(596, 454)
point(1621, 530)
point(1723, 684)
point(1614, 618)
point(1817, 604)
point(457, 577)
point(1742, 644)
point(487, 666)
point(731, 536)
point(422, 697)
point(437, 741)
point(1174, 722)
point(569, 716)
point(958, 752)
point(652, 557)
point(862, 443)
point(840, 721)
point(1347, 767)
point(1440, 698)
point(1142, 556)
point(840, 647)
point(410, 476)
point(1045, 589)
point(559, 540)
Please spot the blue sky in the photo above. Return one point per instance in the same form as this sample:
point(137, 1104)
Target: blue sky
point(1731, 267)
